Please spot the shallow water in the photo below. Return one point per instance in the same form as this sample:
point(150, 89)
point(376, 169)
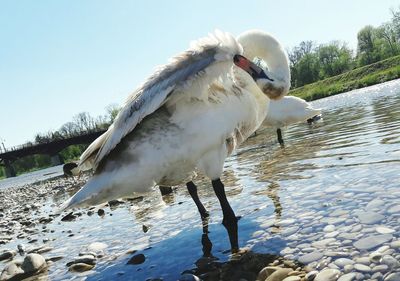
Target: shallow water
point(334, 184)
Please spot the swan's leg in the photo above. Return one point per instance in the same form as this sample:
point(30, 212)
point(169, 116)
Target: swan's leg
point(192, 188)
point(229, 220)
point(280, 139)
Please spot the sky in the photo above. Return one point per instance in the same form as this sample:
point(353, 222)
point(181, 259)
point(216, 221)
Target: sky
point(60, 58)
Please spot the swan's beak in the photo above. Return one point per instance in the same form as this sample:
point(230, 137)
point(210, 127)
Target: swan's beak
point(250, 67)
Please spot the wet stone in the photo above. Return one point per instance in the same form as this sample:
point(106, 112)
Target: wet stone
point(370, 217)
point(80, 267)
point(347, 277)
point(310, 257)
point(327, 275)
point(372, 241)
point(8, 254)
point(69, 217)
point(393, 277)
point(33, 263)
point(362, 267)
point(279, 274)
point(137, 259)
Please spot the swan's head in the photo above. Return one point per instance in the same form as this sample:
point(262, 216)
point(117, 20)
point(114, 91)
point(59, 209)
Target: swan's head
point(274, 79)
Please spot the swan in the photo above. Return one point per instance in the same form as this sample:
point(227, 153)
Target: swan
point(289, 110)
point(187, 117)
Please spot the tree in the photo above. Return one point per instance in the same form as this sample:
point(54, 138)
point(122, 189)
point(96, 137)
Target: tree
point(335, 58)
point(366, 46)
point(387, 34)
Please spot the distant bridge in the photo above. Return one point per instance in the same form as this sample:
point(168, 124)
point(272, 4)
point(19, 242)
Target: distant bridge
point(51, 148)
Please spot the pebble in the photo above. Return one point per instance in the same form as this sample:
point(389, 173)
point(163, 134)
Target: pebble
point(347, 277)
point(137, 259)
point(88, 259)
point(11, 270)
point(80, 267)
point(373, 241)
point(310, 257)
point(292, 278)
point(395, 276)
point(370, 217)
point(311, 275)
point(384, 230)
point(7, 254)
point(329, 228)
point(33, 263)
point(279, 274)
point(327, 275)
point(362, 267)
point(342, 262)
point(395, 244)
point(390, 261)
point(375, 257)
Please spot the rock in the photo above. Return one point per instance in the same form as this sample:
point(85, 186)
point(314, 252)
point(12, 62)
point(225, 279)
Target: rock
point(145, 228)
point(21, 248)
point(114, 203)
point(292, 278)
point(390, 261)
point(327, 274)
point(7, 255)
point(310, 257)
point(370, 217)
point(329, 228)
point(342, 262)
point(375, 257)
point(101, 212)
point(394, 210)
point(88, 259)
point(362, 267)
point(311, 275)
point(395, 276)
point(279, 274)
point(323, 243)
point(384, 230)
point(373, 241)
point(266, 271)
point(395, 244)
point(34, 263)
point(69, 217)
point(11, 270)
point(137, 259)
point(347, 277)
point(80, 267)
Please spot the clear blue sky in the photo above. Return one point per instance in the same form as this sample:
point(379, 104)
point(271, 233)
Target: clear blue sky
point(59, 58)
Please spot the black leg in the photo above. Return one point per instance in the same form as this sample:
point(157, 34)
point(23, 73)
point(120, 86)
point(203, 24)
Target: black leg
point(192, 188)
point(280, 139)
point(229, 220)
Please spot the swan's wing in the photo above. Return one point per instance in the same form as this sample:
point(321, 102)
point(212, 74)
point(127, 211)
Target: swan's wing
point(190, 73)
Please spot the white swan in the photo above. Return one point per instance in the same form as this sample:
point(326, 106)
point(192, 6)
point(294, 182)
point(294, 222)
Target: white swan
point(189, 115)
point(289, 110)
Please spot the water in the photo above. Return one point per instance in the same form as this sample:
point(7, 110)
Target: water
point(334, 184)
point(32, 177)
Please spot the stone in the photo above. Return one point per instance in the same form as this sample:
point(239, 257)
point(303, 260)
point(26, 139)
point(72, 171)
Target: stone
point(292, 278)
point(69, 217)
point(34, 263)
point(347, 277)
point(395, 244)
point(11, 270)
point(7, 255)
point(373, 241)
point(375, 257)
point(323, 243)
point(137, 259)
point(394, 210)
point(390, 261)
point(384, 230)
point(329, 228)
point(362, 267)
point(80, 267)
point(327, 274)
point(279, 274)
point(342, 262)
point(311, 275)
point(88, 259)
point(395, 276)
point(310, 257)
point(370, 217)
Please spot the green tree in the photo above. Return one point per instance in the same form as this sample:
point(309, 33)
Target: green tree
point(334, 58)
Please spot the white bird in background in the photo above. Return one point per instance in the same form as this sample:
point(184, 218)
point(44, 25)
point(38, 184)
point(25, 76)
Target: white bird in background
point(289, 110)
point(188, 116)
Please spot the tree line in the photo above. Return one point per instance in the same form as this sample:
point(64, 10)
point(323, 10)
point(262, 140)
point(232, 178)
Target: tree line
point(310, 62)
point(81, 123)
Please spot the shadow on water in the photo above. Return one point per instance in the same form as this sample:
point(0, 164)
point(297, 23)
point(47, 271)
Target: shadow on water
point(193, 252)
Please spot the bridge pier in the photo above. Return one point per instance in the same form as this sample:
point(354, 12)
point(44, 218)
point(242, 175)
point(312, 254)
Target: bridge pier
point(10, 172)
point(56, 160)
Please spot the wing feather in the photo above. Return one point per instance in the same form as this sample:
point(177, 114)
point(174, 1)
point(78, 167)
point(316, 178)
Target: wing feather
point(189, 72)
